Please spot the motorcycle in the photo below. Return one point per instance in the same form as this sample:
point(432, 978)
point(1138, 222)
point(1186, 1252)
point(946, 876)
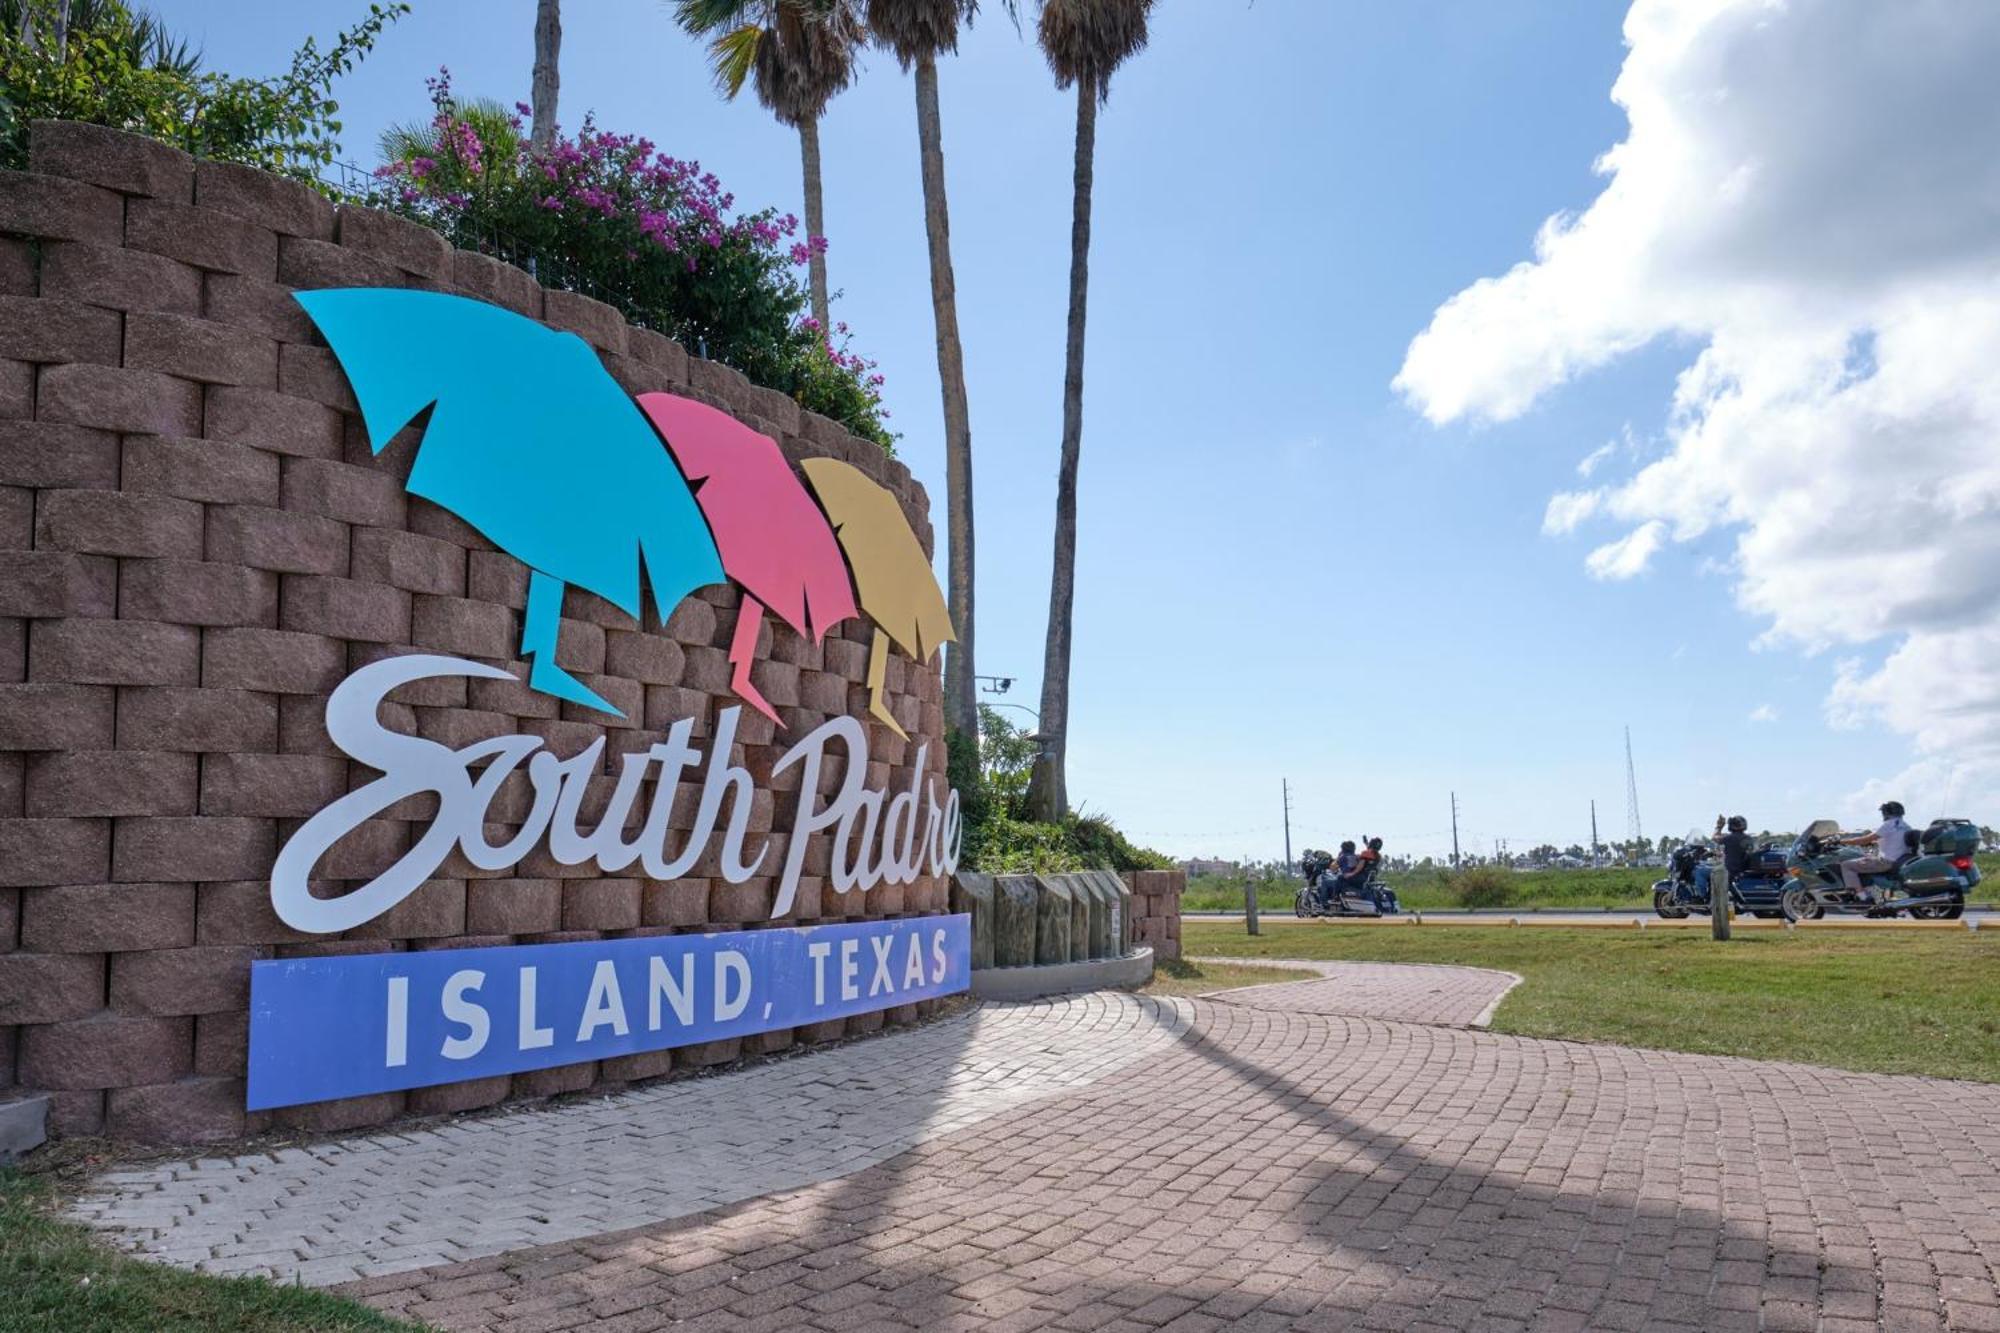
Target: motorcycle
point(1370, 898)
point(1930, 881)
point(1758, 891)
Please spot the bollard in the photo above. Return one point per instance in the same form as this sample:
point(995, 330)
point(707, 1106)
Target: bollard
point(1250, 904)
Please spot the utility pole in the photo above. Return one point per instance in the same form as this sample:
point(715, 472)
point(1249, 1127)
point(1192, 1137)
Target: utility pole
point(1286, 786)
point(1454, 830)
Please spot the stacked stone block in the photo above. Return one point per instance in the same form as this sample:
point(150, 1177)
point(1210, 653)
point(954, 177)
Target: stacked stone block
point(197, 544)
point(1156, 909)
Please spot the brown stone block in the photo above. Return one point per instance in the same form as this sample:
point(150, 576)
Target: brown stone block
point(17, 518)
point(55, 209)
point(492, 576)
point(190, 1110)
point(349, 492)
point(197, 593)
point(127, 163)
point(198, 349)
point(289, 207)
point(580, 644)
point(115, 652)
point(705, 1054)
point(748, 903)
point(120, 279)
point(595, 322)
point(10, 939)
point(51, 454)
point(279, 661)
point(107, 918)
point(239, 912)
point(18, 263)
point(494, 281)
point(276, 539)
point(259, 304)
point(313, 265)
point(54, 851)
point(200, 237)
point(109, 782)
point(556, 1081)
point(429, 520)
point(769, 1043)
point(706, 669)
point(460, 625)
point(210, 470)
point(118, 523)
point(638, 1066)
point(51, 988)
point(55, 717)
point(45, 330)
point(17, 390)
point(648, 658)
point(56, 583)
point(565, 739)
point(777, 681)
point(302, 725)
point(13, 667)
point(513, 906)
point(131, 402)
point(271, 785)
point(372, 847)
point(724, 386)
point(627, 696)
point(171, 717)
point(345, 609)
point(270, 420)
point(222, 1044)
point(408, 245)
point(343, 1114)
point(512, 697)
point(207, 980)
point(600, 904)
point(314, 373)
point(452, 1098)
point(820, 1034)
point(405, 560)
point(436, 909)
point(196, 847)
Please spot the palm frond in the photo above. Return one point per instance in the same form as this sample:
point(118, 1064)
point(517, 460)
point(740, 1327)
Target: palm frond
point(1091, 38)
point(701, 18)
point(734, 56)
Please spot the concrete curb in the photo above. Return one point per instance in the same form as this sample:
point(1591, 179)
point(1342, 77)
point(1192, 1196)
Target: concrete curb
point(1034, 983)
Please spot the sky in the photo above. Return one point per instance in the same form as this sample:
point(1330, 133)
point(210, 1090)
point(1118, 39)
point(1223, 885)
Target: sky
point(1466, 383)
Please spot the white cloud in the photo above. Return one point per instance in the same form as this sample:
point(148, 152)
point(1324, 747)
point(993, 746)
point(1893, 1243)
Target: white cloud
point(1591, 461)
point(1628, 556)
point(1807, 193)
point(1763, 713)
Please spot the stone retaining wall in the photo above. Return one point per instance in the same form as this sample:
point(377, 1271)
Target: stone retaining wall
point(196, 545)
point(1156, 909)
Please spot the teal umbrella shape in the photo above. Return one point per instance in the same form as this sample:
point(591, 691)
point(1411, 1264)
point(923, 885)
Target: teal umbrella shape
point(530, 441)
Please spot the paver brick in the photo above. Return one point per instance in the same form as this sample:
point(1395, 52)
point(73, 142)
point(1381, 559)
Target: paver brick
point(194, 592)
point(109, 782)
point(120, 279)
point(127, 163)
point(131, 402)
point(84, 651)
point(210, 470)
point(107, 918)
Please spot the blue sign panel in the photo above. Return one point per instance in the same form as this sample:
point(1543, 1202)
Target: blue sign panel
point(322, 1028)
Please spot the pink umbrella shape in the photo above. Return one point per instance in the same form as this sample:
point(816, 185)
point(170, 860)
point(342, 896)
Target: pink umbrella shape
point(773, 539)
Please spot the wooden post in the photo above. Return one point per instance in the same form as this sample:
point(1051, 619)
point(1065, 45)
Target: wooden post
point(1718, 897)
point(1250, 903)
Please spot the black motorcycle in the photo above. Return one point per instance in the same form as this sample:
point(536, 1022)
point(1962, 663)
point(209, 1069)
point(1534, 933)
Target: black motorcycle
point(1758, 891)
point(1322, 894)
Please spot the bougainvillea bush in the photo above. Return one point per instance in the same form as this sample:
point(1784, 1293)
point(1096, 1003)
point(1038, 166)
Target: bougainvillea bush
point(656, 236)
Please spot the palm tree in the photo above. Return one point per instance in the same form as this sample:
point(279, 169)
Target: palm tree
point(1084, 40)
point(547, 77)
point(917, 32)
point(799, 54)
point(145, 40)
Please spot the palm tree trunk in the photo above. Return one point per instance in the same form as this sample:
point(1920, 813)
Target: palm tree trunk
point(815, 223)
point(1048, 787)
point(547, 75)
point(961, 710)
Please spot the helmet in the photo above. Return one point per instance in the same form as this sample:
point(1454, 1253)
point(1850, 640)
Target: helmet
point(1892, 809)
point(1374, 844)
point(1347, 846)
point(1738, 824)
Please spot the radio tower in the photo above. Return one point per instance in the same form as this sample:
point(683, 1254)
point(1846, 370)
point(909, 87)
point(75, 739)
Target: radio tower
point(1632, 830)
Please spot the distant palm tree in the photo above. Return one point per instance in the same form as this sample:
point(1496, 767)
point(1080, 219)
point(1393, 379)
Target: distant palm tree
point(546, 77)
point(1084, 40)
point(799, 54)
point(917, 32)
point(146, 41)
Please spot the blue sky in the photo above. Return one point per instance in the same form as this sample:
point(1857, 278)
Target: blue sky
point(1285, 571)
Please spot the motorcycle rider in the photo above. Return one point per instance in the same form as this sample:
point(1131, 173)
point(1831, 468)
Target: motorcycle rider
point(1892, 844)
point(1735, 849)
point(1334, 879)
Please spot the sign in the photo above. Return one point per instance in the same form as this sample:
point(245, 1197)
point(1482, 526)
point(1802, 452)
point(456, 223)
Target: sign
point(877, 834)
point(322, 1028)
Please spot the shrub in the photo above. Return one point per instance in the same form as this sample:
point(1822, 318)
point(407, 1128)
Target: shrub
point(1481, 886)
point(653, 235)
point(118, 68)
point(991, 777)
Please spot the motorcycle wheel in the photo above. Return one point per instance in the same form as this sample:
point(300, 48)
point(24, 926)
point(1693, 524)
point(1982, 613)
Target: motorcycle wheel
point(1300, 905)
point(1665, 906)
point(1799, 905)
point(1950, 911)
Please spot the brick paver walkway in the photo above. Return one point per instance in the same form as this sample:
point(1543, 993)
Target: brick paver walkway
point(1262, 1165)
point(1413, 992)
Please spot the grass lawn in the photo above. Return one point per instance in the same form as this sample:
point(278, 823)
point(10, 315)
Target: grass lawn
point(1897, 1002)
point(1425, 890)
point(1178, 976)
point(55, 1275)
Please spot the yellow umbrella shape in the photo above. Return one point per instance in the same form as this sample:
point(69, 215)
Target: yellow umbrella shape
point(892, 575)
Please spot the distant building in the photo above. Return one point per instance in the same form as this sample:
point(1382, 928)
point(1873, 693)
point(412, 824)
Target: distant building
point(1205, 865)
